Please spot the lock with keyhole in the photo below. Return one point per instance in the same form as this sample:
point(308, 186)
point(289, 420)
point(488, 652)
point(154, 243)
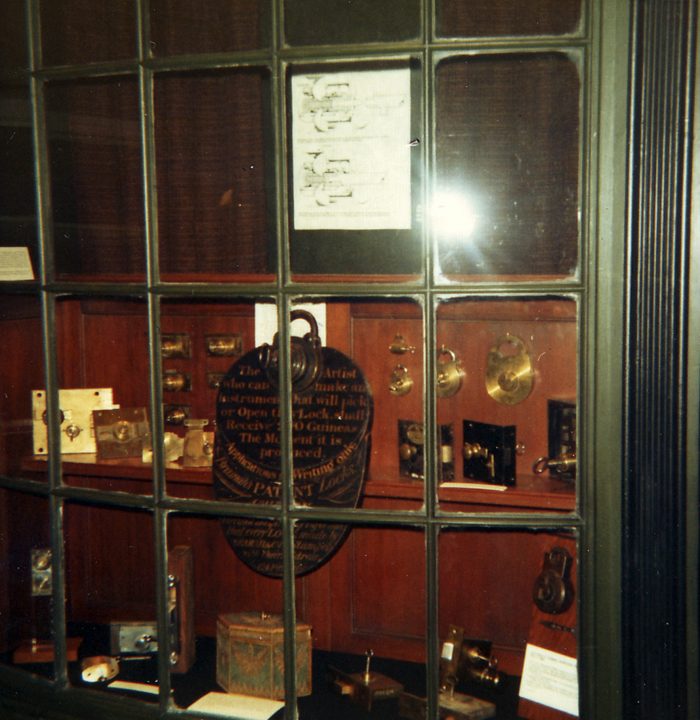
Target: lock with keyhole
point(449, 373)
point(553, 592)
point(488, 452)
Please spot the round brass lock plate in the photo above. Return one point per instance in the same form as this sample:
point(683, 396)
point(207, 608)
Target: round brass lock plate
point(509, 373)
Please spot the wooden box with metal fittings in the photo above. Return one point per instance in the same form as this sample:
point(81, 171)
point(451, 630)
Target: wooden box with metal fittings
point(250, 655)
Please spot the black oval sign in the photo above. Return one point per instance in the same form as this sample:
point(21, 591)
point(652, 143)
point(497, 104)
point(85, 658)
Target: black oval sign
point(331, 422)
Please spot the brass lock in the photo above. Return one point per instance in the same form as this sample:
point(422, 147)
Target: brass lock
point(175, 381)
point(400, 382)
point(509, 373)
point(553, 592)
point(306, 355)
point(175, 345)
point(472, 451)
point(449, 373)
point(224, 345)
point(565, 463)
point(399, 346)
point(176, 414)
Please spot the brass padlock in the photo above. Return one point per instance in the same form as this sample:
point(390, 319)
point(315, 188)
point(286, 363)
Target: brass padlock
point(305, 354)
point(553, 592)
point(449, 373)
point(400, 382)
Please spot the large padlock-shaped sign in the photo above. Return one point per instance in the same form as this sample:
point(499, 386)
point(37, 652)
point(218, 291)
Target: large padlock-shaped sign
point(331, 423)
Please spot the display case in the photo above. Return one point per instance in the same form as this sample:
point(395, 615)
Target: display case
point(307, 335)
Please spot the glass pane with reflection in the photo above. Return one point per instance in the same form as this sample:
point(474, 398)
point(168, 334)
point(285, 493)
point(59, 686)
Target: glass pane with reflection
point(511, 652)
point(26, 579)
point(366, 607)
point(104, 397)
point(81, 31)
point(513, 405)
point(186, 26)
point(227, 634)
point(483, 18)
point(23, 429)
point(215, 176)
point(332, 22)
point(357, 406)
point(96, 177)
point(110, 598)
point(506, 202)
point(247, 457)
point(355, 171)
point(204, 344)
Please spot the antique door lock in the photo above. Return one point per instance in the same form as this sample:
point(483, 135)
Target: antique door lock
point(489, 452)
point(305, 354)
point(561, 441)
point(553, 592)
point(449, 373)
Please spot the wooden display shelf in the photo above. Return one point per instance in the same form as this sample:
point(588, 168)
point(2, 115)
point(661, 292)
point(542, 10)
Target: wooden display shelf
point(529, 492)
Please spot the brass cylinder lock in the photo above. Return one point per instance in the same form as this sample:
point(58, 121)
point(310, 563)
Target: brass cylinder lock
point(565, 463)
point(449, 373)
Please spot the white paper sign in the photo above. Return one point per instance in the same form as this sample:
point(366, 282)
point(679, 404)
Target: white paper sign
point(550, 678)
point(236, 706)
point(351, 148)
point(15, 264)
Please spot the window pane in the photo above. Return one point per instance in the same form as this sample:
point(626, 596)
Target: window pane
point(202, 343)
point(22, 428)
point(494, 642)
point(319, 22)
point(230, 612)
point(358, 429)
point(110, 596)
point(80, 31)
point(506, 17)
point(507, 191)
point(96, 177)
point(26, 578)
point(355, 177)
point(514, 411)
point(104, 398)
point(367, 607)
point(215, 178)
point(187, 26)
point(247, 458)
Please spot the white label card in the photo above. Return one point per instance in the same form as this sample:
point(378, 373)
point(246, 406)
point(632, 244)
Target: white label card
point(236, 706)
point(550, 678)
point(15, 264)
point(351, 147)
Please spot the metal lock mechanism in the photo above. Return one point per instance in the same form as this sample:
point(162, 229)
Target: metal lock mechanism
point(400, 382)
point(305, 354)
point(449, 373)
point(509, 372)
point(553, 592)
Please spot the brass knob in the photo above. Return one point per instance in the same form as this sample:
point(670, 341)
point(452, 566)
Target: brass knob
point(407, 451)
point(474, 450)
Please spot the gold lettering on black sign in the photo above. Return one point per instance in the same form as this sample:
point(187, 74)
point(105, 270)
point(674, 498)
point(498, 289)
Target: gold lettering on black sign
point(330, 430)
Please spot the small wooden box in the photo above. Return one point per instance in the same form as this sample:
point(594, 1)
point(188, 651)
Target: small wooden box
point(250, 655)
